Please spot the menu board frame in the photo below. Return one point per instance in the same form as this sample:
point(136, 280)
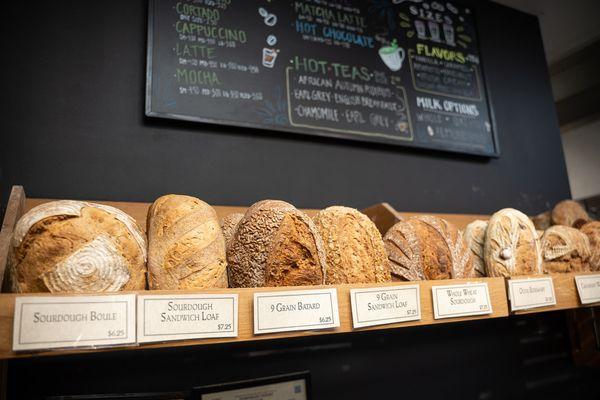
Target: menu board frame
point(302, 129)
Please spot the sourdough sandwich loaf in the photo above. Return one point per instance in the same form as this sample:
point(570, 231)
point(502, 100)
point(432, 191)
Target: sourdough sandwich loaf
point(592, 230)
point(565, 249)
point(229, 224)
point(275, 244)
point(186, 247)
point(474, 236)
point(76, 247)
point(353, 246)
point(427, 247)
point(511, 245)
point(568, 212)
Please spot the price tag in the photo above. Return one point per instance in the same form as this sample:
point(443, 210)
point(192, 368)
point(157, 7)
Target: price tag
point(44, 322)
point(450, 301)
point(588, 287)
point(380, 306)
point(296, 310)
point(186, 316)
point(530, 293)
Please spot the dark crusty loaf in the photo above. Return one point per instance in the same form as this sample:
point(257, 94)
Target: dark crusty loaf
point(276, 244)
point(565, 249)
point(427, 247)
point(229, 224)
point(353, 245)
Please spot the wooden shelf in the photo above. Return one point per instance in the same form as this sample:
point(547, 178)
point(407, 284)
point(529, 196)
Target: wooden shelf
point(382, 214)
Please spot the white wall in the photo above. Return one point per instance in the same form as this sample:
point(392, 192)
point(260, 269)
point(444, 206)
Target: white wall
point(582, 154)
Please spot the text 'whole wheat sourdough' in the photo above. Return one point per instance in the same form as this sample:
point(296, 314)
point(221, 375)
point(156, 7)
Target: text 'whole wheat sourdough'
point(76, 247)
point(427, 247)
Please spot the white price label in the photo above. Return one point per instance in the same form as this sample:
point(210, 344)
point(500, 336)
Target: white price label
point(531, 293)
point(295, 310)
point(47, 322)
point(380, 306)
point(186, 316)
point(588, 287)
point(450, 301)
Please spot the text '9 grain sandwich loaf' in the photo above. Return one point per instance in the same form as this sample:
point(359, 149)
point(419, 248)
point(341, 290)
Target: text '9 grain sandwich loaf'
point(353, 246)
point(275, 244)
point(565, 249)
point(511, 245)
point(427, 247)
point(186, 247)
point(76, 247)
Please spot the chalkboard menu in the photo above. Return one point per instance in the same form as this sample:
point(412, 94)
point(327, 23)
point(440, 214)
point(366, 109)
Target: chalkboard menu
point(396, 71)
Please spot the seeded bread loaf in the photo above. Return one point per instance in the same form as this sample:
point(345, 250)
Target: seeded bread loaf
point(353, 247)
point(186, 248)
point(76, 247)
point(542, 221)
point(427, 247)
point(592, 230)
point(229, 224)
point(511, 245)
point(565, 249)
point(567, 212)
point(474, 236)
point(276, 245)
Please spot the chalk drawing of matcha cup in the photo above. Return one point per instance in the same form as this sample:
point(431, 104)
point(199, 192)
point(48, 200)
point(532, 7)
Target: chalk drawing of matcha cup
point(392, 56)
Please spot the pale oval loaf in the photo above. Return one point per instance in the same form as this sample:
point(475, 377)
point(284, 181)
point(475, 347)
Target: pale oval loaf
point(353, 246)
point(511, 245)
point(76, 247)
point(229, 224)
point(592, 230)
point(427, 247)
point(186, 247)
point(276, 245)
point(474, 236)
point(567, 212)
point(565, 249)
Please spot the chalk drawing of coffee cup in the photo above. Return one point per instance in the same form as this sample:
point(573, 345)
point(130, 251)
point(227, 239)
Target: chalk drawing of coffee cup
point(392, 56)
point(269, 19)
point(269, 56)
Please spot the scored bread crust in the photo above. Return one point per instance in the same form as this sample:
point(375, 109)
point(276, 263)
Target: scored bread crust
point(186, 247)
point(275, 244)
point(592, 230)
point(565, 249)
point(474, 237)
point(427, 247)
point(511, 245)
point(69, 246)
point(567, 212)
point(353, 246)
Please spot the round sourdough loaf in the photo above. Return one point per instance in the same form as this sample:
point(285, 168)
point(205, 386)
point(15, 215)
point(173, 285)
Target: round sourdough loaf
point(474, 236)
point(229, 224)
point(565, 249)
point(353, 246)
point(76, 247)
point(427, 247)
point(592, 230)
point(511, 245)
point(186, 248)
point(567, 212)
point(542, 221)
point(276, 245)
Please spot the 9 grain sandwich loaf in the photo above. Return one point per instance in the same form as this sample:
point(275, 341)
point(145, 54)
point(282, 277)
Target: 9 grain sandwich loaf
point(76, 247)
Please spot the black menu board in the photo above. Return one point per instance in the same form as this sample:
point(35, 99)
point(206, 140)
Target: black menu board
point(397, 71)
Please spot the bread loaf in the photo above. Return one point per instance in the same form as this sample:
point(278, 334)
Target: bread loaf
point(542, 221)
point(592, 230)
point(76, 247)
point(229, 224)
point(186, 248)
point(353, 247)
point(565, 249)
point(276, 245)
point(474, 236)
point(427, 247)
point(567, 212)
point(511, 245)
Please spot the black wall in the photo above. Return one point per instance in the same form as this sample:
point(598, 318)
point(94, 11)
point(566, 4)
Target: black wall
point(73, 126)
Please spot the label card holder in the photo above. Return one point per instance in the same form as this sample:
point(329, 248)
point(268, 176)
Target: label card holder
point(588, 287)
point(50, 322)
point(295, 310)
point(451, 301)
point(385, 305)
point(525, 294)
point(186, 316)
